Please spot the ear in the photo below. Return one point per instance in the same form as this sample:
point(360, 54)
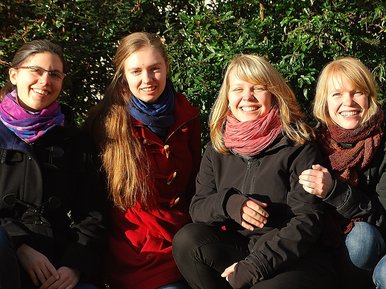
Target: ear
point(13, 75)
point(167, 68)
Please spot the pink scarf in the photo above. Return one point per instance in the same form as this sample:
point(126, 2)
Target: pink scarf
point(27, 125)
point(249, 138)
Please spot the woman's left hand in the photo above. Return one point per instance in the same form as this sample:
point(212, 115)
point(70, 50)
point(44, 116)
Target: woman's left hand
point(68, 279)
point(228, 271)
point(316, 181)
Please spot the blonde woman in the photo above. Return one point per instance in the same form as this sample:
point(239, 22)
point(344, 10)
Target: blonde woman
point(351, 135)
point(254, 225)
point(149, 138)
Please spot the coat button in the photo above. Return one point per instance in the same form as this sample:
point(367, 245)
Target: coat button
point(166, 151)
point(174, 202)
point(171, 178)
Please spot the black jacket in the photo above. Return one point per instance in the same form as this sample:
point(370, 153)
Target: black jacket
point(294, 224)
point(51, 198)
point(367, 201)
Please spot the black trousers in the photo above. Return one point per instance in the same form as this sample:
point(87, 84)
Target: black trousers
point(202, 253)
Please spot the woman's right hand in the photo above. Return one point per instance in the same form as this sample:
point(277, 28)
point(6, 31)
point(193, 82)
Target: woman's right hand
point(37, 265)
point(316, 181)
point(253, 214)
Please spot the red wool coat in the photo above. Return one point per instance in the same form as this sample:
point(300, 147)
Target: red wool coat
point(139, 253)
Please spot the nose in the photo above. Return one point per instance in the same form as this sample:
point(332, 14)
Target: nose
point(347, 99)
point(248, 95)
point(147, 76)
point(45, 78)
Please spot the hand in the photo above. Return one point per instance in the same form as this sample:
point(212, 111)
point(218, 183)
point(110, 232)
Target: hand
point(37, 265)
point(68, 278)
point(228, 271)
point(316, 181)
point(253, 214)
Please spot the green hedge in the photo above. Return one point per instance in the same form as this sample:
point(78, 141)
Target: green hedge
point(299, 37)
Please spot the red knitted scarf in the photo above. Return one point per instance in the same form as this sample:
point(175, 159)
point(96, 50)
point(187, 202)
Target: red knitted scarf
point(249, 138)
point(351, 150)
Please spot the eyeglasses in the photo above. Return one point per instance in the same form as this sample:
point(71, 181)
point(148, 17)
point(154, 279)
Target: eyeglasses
point(39, 71)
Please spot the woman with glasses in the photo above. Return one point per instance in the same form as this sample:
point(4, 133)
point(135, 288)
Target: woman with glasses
point(50, 206)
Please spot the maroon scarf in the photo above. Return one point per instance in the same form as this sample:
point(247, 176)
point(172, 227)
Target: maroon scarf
point(351, 150)
point(249, 138)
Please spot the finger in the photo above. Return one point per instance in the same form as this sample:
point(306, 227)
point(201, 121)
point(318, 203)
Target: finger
point(48, 283)
point(257, 220)
point(318, 167)
point(34, 277)
point(247, 226)
point(258, 215)
point(256, 208)
point(50, 270)
point(40, 276)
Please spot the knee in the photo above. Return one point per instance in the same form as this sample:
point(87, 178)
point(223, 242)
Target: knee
point(185, 239)
point(365, 245)
point(379, 274)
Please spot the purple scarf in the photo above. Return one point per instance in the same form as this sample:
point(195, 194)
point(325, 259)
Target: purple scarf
point(28, 126)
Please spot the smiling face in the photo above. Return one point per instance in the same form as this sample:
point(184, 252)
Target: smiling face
point(248, 101)
point(346, 103)
point(37, 90)
point(145, 72)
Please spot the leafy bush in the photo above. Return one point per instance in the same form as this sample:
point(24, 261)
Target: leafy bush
point(298, 36)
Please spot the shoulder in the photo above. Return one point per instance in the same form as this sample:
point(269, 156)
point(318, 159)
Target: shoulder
point(183, 105)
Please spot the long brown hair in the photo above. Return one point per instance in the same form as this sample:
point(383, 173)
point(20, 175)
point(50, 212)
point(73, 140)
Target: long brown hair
point(257, 70)
point(124, 160)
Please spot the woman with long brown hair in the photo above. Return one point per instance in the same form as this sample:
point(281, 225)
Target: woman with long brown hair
point(149, 139)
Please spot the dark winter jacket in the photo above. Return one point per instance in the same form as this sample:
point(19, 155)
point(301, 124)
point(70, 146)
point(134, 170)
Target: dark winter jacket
point(294, 224)
point(50, 197)
point(367, 201)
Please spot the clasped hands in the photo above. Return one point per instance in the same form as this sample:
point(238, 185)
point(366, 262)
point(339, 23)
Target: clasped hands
point(43, 273)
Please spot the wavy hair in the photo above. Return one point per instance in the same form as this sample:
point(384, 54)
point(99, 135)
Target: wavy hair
point(257, 70)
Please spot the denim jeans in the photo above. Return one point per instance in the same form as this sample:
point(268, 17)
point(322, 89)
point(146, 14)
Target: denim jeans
point(379, 275)
point(177, 285)
point(365, 246)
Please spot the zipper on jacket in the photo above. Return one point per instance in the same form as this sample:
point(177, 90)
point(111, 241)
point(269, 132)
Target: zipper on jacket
point(246, 176)
point(3, 156)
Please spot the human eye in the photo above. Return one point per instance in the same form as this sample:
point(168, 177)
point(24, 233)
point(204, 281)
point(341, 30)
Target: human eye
point(258, 88)
point(156, 68)
point(358, 93)
point(56, 74)
point(36, 69)
point(335, 94)
point(135, 72)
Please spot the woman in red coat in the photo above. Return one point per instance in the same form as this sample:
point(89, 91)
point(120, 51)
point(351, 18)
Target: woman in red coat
point(149, 137)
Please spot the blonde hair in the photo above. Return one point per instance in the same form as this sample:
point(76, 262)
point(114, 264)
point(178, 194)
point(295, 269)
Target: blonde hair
point(345, 69)
point(257, 70)
point(124, 159)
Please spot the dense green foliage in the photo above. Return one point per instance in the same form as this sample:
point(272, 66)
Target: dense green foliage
point(298, 36)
